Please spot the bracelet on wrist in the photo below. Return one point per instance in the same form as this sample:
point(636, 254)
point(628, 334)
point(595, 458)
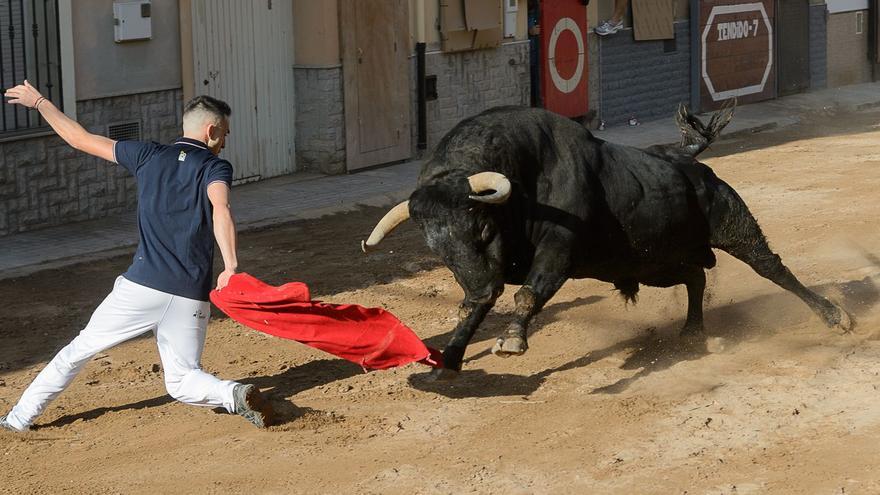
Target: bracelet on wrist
point(39, 100)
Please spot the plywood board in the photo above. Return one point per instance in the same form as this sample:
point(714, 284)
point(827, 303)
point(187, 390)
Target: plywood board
point(482, 14)
point(488, 38)
point(457, 41)
point(653, 19)
point(452, 16)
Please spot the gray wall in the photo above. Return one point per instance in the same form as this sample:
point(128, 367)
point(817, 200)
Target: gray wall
point(44, 182)
point(818, 47)
point(470, 82)
point(639, 79)
point(320, 119)
point(106, 68)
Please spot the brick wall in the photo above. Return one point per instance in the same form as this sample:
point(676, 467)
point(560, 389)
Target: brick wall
point(44, 182)
point(320, 120)
point(641, 79)
point(818, 47)
point(847, 51)
point(470, 82)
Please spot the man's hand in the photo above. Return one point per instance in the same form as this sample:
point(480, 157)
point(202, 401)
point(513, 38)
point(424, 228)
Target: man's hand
point(223, 279)
point(24, 94)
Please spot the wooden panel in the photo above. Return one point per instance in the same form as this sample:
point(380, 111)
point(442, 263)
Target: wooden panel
point(737, 47)
point(376, 71)
point(653, 19)
point(452, 15)
point(482, 14)
point(457, 41)
point(488, 38)
point(243, 54)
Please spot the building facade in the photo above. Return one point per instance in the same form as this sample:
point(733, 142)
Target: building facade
point(338, 86)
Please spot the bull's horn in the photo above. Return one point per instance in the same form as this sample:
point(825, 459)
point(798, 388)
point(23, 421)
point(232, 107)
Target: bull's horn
point(486, 181)
point(389, 222)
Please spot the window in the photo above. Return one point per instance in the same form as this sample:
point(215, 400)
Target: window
point(30, 48)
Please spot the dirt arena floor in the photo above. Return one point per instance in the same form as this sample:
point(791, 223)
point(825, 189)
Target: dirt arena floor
point(607, 400)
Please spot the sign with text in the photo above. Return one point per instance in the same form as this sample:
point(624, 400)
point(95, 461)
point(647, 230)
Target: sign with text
point(737, 40)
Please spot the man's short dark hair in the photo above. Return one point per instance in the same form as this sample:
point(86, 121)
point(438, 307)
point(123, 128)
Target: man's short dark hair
point(209, 104)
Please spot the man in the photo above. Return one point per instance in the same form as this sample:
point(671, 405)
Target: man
point(183, 197)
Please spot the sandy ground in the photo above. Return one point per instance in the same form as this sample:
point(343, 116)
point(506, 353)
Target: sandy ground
point(605, 401)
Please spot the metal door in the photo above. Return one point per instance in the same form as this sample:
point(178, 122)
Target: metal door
point(564, 57)
point(243, 54)
point(376, 70)
point(793, 44)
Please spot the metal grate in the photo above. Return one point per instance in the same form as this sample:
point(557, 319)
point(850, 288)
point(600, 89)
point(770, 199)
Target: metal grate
point(124, 131)
point(29, 49)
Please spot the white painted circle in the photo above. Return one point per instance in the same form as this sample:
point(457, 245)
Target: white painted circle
point(566, 85)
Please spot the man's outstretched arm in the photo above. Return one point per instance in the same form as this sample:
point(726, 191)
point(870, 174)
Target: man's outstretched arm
point(69, 129)
point(224, 230)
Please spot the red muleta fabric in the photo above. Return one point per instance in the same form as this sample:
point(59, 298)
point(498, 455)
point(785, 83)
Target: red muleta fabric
point(370, 337)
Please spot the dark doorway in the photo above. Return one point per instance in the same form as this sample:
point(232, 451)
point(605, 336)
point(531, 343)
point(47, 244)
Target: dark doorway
point(535, 52)
point(793, 46)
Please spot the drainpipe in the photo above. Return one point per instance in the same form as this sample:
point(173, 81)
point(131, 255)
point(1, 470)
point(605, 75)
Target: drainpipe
point(422, 96)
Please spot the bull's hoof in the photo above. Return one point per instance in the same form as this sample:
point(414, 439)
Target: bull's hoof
point(442, 375)
point(691, 330)
point(843, 322)
point(510, 346)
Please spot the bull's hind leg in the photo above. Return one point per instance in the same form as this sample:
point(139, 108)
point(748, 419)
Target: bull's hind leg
point(739, 234)
point(694, 278)
point(695, 281)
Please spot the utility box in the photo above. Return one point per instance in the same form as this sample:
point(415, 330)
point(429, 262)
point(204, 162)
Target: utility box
point(132, 20)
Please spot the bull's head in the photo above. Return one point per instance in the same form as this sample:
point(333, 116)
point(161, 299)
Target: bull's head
point(459, 228)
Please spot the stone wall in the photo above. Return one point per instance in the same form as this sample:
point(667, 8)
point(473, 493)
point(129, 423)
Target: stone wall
point(320, 119)
point(45, 182)
point(473, 81)
point(644, 79)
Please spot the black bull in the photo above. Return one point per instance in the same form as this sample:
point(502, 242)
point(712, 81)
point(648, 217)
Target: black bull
point(524, 196)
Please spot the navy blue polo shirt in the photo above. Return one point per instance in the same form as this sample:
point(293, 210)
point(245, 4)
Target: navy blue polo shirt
point(176, 250)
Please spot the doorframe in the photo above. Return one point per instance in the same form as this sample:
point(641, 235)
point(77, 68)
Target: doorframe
point(187, 70)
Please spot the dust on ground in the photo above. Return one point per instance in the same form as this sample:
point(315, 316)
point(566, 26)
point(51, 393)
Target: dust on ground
point(607, 400)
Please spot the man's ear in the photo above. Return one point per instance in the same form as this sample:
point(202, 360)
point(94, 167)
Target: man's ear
point(214, 135)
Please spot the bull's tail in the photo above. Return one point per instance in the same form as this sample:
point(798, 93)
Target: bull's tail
point(696, 136)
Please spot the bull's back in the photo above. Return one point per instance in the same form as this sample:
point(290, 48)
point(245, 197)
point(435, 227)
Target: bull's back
point(654, 210)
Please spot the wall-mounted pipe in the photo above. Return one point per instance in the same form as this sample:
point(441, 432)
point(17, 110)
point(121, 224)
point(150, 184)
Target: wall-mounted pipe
point(421, 86)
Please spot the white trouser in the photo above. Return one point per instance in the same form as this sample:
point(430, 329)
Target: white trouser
point(131, 310)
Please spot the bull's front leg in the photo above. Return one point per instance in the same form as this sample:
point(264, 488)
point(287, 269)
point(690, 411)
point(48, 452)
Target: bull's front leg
point(470, 317)
point(529, 299)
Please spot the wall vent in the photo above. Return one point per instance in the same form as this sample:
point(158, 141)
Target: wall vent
point(124, 131)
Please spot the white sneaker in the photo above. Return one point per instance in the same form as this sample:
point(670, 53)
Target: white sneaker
point(608, 27)
point(6, 426)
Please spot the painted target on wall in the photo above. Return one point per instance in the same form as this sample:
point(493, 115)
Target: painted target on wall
point(564, 57)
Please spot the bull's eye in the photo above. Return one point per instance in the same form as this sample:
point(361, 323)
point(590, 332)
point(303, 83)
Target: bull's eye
point(487, 233)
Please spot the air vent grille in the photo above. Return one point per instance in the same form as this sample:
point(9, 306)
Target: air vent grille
point(124, 130)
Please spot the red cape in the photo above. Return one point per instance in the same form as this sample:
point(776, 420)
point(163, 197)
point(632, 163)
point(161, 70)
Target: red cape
point(370, 337)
